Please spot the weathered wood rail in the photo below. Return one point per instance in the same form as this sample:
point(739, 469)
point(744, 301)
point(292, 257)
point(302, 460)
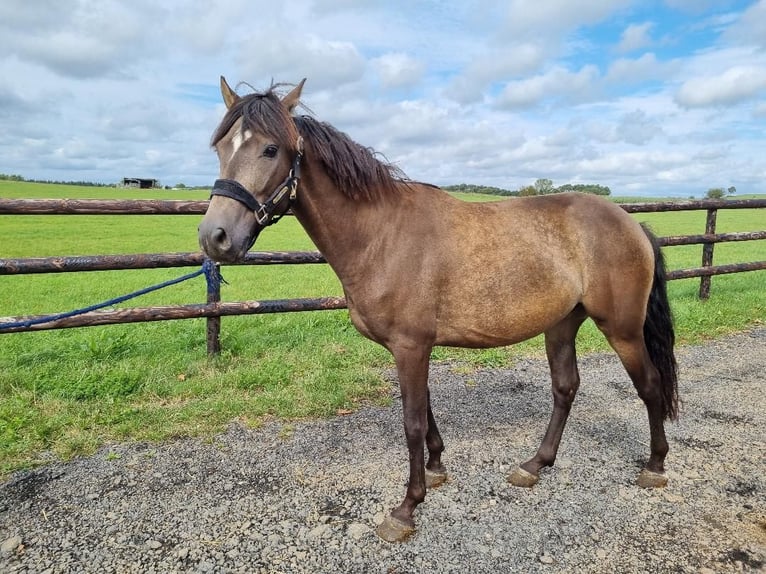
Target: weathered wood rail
point(213, 309)
point(709, 239)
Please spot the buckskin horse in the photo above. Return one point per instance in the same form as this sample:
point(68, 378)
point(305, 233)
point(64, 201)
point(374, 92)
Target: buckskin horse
point(421, 268)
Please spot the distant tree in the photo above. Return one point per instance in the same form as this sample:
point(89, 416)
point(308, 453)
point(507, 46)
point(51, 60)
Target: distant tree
point(181, 186)
point(715, 193)
point(527, 191)
point(470, 188)
point(596, 189)
point(544, 186)
point(6, 177)
point(593, 188)
point(732, 190)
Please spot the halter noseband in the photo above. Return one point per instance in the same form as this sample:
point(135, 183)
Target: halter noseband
point(276, 205)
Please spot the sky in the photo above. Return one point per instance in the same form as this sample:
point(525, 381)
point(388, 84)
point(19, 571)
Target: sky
point(649, 97)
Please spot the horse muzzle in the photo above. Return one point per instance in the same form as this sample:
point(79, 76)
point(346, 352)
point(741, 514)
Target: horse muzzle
point(226, 242)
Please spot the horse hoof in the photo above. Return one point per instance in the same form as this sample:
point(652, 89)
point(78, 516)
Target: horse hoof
point(394, 530)
point(523, 478)
point(435, 479)
point(651, 479)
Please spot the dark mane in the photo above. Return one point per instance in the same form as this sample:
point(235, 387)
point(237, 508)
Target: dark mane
point(354, 169)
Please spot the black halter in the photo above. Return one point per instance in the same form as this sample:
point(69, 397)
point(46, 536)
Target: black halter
point(277, 204)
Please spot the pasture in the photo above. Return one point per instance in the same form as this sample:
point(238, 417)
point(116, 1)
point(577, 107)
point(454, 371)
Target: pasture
point(65, 393)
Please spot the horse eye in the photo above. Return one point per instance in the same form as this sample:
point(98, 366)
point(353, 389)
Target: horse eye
point(270, 151)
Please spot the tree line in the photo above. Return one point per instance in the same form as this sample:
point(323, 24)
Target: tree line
point(542, 186)
point(15, 177)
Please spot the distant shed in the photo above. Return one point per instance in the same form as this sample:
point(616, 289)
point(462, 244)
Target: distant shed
point(140, 183)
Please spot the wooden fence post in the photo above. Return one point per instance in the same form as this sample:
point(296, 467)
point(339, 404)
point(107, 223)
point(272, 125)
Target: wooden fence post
point(707, 254)
point(214, 323)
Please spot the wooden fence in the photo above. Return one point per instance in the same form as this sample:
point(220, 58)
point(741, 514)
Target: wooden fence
point(214, 308)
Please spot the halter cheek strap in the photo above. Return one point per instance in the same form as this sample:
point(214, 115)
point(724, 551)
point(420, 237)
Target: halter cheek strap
point(276, 205)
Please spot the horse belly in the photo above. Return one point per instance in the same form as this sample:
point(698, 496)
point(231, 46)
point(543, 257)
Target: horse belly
point(503, 320)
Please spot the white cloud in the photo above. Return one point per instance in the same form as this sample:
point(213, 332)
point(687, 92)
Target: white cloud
point(734, 85)
point(645, 68)
point(549, 18)
point(413, 123)
point(496, 65)
point(750, 27)
point(86, 39)
point(635, 37)
point(693, 6)
point(555, 83)
point(32, 17)
point(638, 128)
point(206, 27)
point(290, 57)
point(397, 69)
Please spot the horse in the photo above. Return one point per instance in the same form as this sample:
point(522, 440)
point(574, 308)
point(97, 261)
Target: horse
point(420, 268)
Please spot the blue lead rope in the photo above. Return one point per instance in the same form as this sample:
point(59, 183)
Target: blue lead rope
point(209, 269)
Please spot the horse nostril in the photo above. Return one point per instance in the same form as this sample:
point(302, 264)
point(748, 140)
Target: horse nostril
point(220, 238)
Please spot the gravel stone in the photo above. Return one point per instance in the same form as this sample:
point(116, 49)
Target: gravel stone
point(358, 531)
point(262, 500)
point(319, 532)
point(9, 545)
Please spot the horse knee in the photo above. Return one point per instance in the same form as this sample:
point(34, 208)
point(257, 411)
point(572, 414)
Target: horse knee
point(564, 396)
point(415, 433)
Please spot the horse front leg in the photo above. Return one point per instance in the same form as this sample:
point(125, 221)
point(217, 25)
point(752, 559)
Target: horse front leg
point(412, 368)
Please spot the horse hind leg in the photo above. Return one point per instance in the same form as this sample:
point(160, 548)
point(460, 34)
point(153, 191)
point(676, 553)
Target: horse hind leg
point(646, 379)
point(565, 380)
point(436, 474)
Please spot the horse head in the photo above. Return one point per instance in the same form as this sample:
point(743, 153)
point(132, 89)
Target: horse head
point(259, 152)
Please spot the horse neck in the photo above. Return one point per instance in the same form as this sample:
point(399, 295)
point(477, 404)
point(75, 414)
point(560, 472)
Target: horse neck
point(345, 231)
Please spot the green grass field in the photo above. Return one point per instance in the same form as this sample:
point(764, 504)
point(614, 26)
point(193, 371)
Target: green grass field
point(64, 393)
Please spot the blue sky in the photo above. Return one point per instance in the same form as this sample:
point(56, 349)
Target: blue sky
point(647, 97)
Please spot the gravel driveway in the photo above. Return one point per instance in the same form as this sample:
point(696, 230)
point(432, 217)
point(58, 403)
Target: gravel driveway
point(305, 497)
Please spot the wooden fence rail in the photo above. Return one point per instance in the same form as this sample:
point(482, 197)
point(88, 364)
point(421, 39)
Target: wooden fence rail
point(145, 261)
point(214, 308)
point(709, 239)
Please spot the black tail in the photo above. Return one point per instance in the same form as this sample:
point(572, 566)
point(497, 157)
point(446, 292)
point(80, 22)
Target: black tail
point(659, 334)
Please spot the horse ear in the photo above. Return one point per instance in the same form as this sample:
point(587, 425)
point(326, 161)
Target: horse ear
point(229, 96)
point(293, 98)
